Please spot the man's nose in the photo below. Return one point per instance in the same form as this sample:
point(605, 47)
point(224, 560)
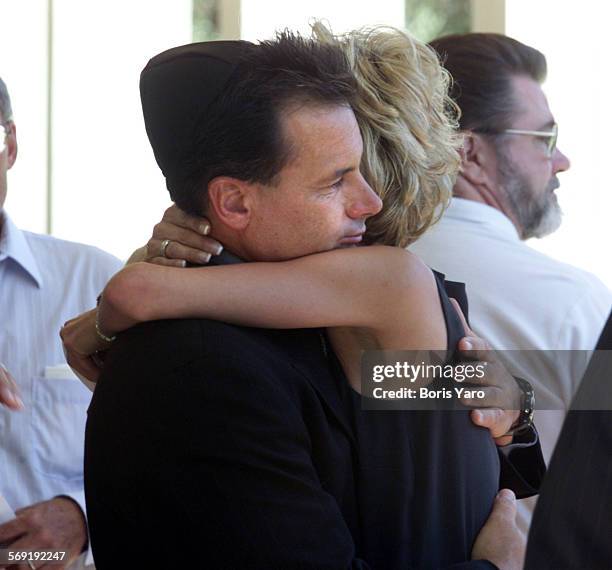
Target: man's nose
point(560, 161)
point(364, 202)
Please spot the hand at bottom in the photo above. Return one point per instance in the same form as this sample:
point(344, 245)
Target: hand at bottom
point(57, 524)
point(500, 541)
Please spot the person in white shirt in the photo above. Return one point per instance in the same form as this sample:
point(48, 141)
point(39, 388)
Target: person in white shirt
point(44, 281)
point(520, 299)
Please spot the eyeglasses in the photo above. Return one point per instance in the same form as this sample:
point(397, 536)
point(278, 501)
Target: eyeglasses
point(551, 136)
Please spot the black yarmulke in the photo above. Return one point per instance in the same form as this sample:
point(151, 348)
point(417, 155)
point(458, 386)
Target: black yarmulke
point(177, 88)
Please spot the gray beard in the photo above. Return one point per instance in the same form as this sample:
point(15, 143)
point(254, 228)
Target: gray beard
point(537, 213)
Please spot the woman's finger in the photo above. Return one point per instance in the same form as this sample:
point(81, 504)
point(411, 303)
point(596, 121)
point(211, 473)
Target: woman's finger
point(168, 262)
point(174, 215)
point(182, 246)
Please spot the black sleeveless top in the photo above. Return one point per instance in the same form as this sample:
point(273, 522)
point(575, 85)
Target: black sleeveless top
point(449, 467)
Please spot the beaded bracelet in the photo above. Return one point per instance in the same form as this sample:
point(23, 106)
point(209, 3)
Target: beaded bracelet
point(101, 335)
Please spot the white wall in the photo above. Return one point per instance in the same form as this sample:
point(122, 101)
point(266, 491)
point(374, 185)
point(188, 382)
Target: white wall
point(106, 187)
point(23, 67)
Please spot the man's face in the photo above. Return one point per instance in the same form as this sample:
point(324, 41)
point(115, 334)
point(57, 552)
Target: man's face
point(320, 200)
point(527, 175)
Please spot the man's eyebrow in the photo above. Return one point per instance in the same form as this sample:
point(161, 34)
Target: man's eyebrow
point(336, 174)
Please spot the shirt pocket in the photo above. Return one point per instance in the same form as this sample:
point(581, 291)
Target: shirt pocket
point(59, 413)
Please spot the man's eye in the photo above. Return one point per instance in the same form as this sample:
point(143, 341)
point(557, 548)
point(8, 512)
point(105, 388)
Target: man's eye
point(337, 184)
point(544, 140)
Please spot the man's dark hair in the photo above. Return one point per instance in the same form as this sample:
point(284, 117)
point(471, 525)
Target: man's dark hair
point(241, 135)
point(482, 66)
point(6, 113)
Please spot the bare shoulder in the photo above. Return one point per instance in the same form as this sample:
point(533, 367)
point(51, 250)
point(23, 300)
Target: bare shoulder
point(410, 313)
point(393, 261)
point(392, 293)
point(398, 266)
point(399, 274)
point(375, 277)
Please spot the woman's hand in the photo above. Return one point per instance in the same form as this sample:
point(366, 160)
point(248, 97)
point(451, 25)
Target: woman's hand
point(82, 346)
point(9, 393)
point(179, 239)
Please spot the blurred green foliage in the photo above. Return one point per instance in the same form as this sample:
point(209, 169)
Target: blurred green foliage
point(429, 19)
point(205, 20)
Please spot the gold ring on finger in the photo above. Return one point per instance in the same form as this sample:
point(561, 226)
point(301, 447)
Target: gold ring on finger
point(163, 247)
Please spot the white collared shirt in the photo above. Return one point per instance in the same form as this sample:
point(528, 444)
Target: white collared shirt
point(44, 282)
point(521, 299)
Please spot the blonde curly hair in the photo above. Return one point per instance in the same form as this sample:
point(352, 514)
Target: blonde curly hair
point(409, 129)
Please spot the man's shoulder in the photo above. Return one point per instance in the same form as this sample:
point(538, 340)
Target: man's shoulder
point(172, 343)
point(481, 259)
point(563, 274)
point(213, 362)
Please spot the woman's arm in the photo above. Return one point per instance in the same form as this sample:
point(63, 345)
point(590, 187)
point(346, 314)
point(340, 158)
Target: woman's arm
point(358, 287)
point(385, 290)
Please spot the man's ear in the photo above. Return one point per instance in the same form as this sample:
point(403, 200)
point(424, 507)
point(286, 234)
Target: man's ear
point(477, 159)
point(230, 199)
point(11, 144)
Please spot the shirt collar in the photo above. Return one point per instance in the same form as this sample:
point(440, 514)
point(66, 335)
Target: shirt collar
point(14, 245)
point(483, 215)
